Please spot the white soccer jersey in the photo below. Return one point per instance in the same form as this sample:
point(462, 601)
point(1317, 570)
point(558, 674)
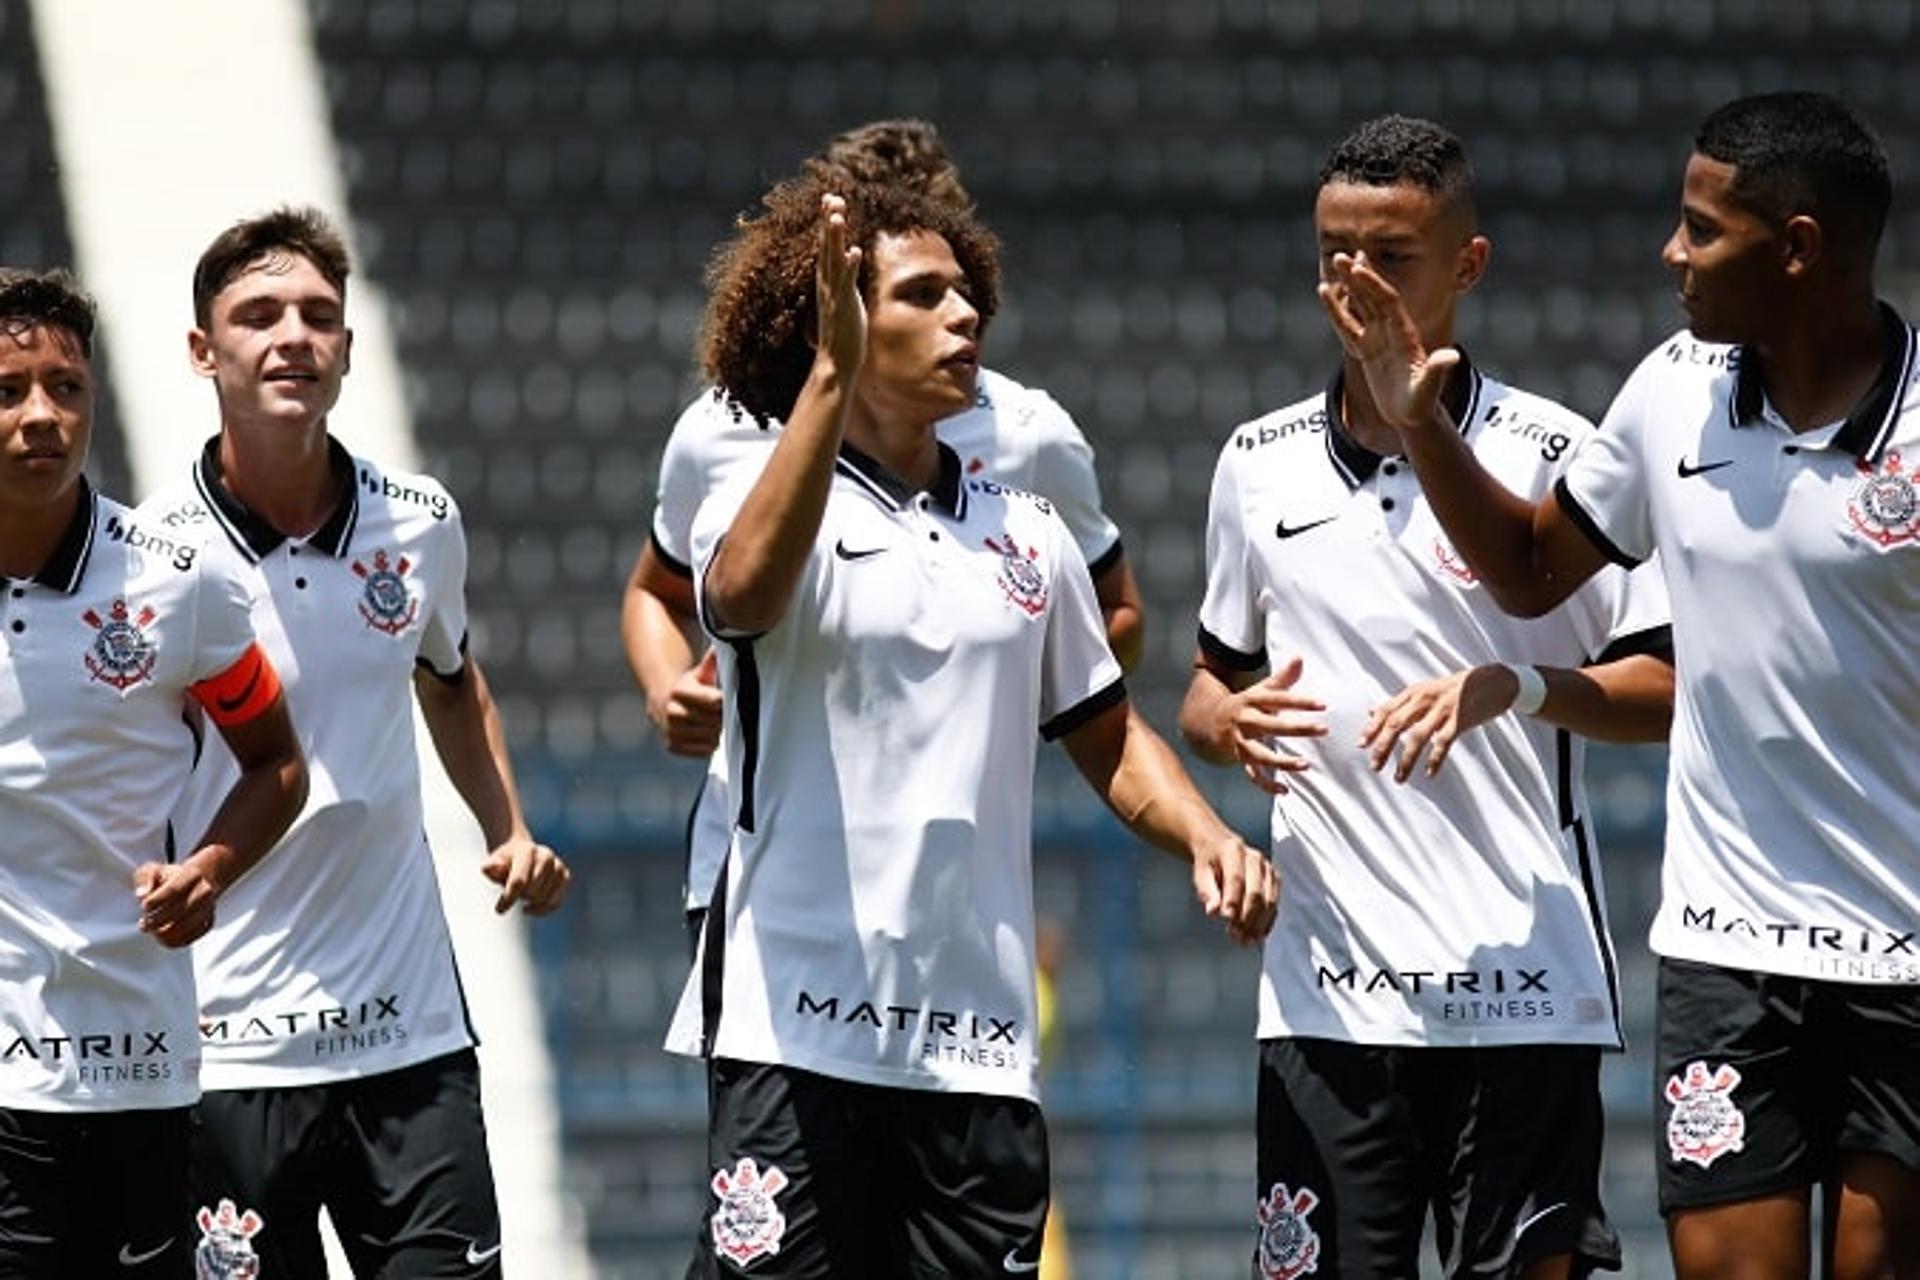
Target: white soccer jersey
point(97, 654)
point(331, 959)
point(1017, 435)
point(1793, 560)
point(1463, 909)
point(875, 918)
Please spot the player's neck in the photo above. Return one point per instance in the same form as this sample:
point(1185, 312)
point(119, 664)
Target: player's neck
point(909, 451)
point(1818, 369)
point(282, 473)
point(28, 535)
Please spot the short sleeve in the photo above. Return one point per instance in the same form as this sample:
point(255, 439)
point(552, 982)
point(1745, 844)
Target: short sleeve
point(1232, 626)
point(223, 610)
point(443, 640)
point(1604, 488)
point(1079, 677)
point(684, 481)
point(709, 525)
point(1063, 473)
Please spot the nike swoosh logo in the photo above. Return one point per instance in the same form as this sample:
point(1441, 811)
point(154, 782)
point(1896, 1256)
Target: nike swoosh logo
point(227, 705)
point(1532, 1218)
point(845, 552)
point(1281, 529)
point(128, 1258)
point(1012, 1263)
point(1688, 470)
point(476, 1255)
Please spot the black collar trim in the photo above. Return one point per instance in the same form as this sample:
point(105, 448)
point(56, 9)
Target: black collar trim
point(1354, 461)
point(1868, 428)
point(68, 564)
point(257, 539)
point(881, 481)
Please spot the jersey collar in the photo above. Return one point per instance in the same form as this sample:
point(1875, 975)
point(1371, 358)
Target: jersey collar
point(1354, 461)
point(1868, 428)
point(257, 539)
point(882, 483)
point(68, 564)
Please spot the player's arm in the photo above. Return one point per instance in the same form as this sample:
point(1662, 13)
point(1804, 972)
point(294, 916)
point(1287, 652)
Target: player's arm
point(246, 706)
point(1232, 716)
point(1141, 780)
point(1529, 556)
point(1122, 609)
point(751, 578)
point(660, 632)
point(465, 727)
point(1627, 699)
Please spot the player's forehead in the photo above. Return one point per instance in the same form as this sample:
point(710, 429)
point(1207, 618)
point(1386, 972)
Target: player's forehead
point(28, 342)
point(278, 275)
point(901, 255)
point(1403, 208)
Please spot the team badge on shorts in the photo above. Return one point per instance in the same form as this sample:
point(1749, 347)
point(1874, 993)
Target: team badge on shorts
point(1885, 506)
point(225, 1251)
point(121, 653)
point(1289, 1246)
point(747, 1225)
point(387, 603)
point(1705, 1123)
point(1020, 581)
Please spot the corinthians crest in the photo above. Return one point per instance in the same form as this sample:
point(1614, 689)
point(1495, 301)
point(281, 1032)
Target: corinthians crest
point(1020, 579)
point(747, 1224)
point(1885, 506)
point(1705, 1123)
point(121, 653)
point(225, 1251)
point(387, 603)
point(1289, 1246)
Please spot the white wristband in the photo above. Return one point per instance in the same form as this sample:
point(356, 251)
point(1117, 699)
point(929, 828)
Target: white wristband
point(1533, 689)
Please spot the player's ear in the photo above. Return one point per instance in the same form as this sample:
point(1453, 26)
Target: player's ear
point(1471, 263)
point(1801, 243)
point(200, 352)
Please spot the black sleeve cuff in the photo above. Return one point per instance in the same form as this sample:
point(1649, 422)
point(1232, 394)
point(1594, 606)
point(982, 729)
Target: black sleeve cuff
point(1654, 641)
point(1587, 525)
point(1106, 560)
point(455, 676)
point(666, 558)
point(1086, 709)
point(1225, 656)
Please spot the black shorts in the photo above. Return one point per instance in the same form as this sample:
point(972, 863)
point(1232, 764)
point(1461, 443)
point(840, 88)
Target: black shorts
point(399, 1159)
point(830, 1180)
point(94, 1194)
point(1357, 1143)
point(1762, 1081)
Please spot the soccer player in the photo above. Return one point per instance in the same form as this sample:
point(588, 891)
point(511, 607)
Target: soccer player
point(1015, 434)
point(1770, 456)
point(339, 1060)
point(118, 643)
point(892, 633)
point(1439, 985)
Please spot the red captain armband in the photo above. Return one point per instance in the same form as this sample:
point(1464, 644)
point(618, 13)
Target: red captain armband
point(242, 691)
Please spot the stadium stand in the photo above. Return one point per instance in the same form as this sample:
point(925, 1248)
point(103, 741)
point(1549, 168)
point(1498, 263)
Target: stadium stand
point(537, 185)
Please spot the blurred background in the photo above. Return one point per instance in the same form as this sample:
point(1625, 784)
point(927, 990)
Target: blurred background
point(535, 186)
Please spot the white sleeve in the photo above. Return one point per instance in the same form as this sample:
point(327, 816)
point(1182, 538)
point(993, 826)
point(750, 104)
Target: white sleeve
point(1079, 677)
point(684, 481)
point(443, 640)
point(710, 524)
point(223, 609)
point(1063, 474)
point(1604, 489)
point(1232, 627)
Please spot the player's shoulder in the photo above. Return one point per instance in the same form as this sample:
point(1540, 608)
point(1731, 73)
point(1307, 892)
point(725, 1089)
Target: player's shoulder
point(995, 500)
point(1303, 420)
point(1007, 416)
point(170, 532)
point(1513, 417)
point(1683, 357)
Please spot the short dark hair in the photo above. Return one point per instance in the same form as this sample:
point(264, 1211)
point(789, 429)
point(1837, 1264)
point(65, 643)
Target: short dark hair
point(1803, 153)
point(756, 338)
point(1392, 149)
point(303, 231)
point(907, 151)
point(45, 300)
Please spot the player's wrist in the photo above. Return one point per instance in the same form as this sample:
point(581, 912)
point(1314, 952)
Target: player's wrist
point(1531, 688)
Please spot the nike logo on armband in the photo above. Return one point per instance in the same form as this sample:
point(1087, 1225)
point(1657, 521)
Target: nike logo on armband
point(227, 706)
point(1012, 1264)
point(476, 1255)
point(1282, 530)
point(1688, 470)
point(841, 549)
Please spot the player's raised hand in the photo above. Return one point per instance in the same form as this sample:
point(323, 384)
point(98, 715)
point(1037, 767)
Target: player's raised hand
point(1372, 323)
point(1260, 714)
point(843, 315)
point(1428, 717)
